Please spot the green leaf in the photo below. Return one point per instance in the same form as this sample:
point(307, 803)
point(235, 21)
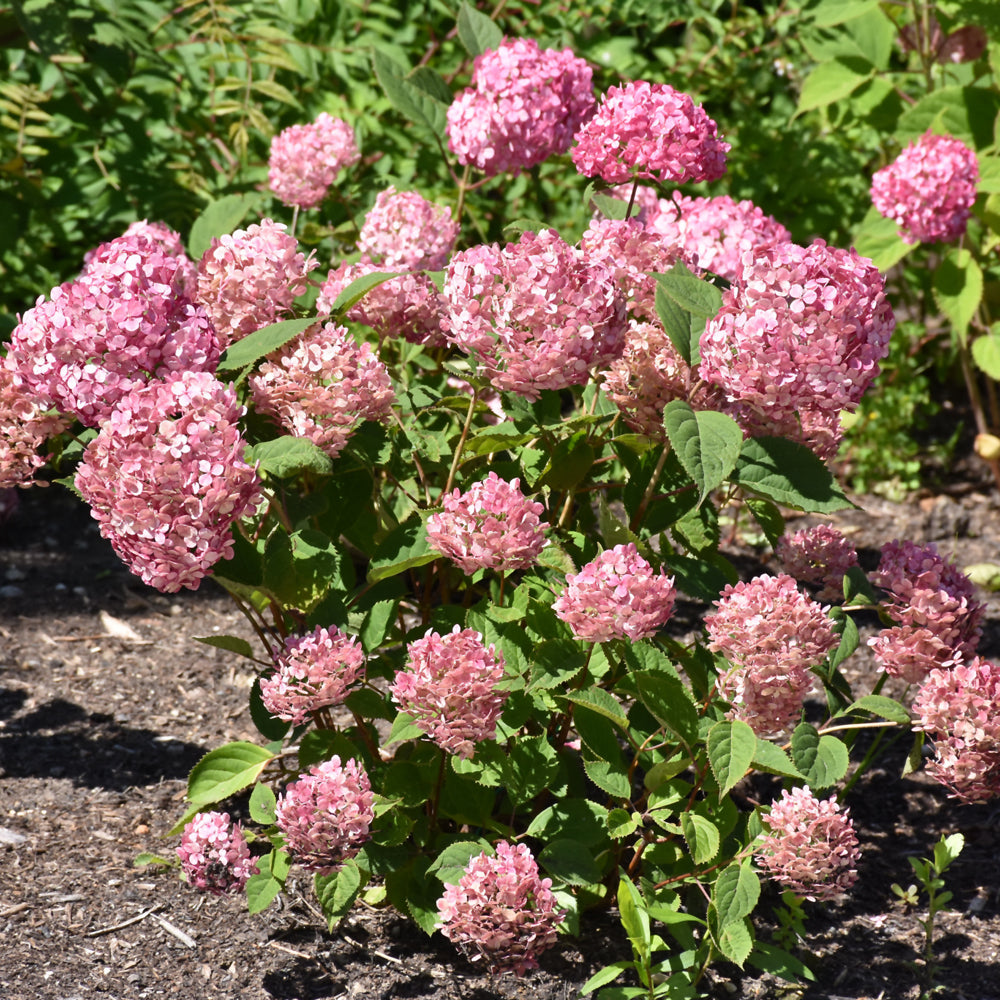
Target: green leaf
point(736, 892)
point(830, 13)
point(579, 819)
point(967, 113)
point(269, 881)
point(682, 329)
point(823, 760)
point(262, 342)
point(614, 532)
point(873, 33)
point(225, 771)
point(218, 219)
point(262, 804)
point(267, 725)
point(780, 963)
point(407, 96)
point(406, 547)
point(477, 32)
point(604, 976)
point(634, 918)
point(530, 766)
point(702, 837)
point(947, 850)
point(734, 939)
point(611, 208)
point(789, 474)
point(849, 639)
point(958, 288)
point(609, 777)
point(886, 708)
point(404, 729)
point(707, 443)
point(833, 81)
point(449, 866)
point(571, 461)
point(378, 623)
point(337, 893)
point(621, 823)
point(695, 295)
point(986, 352)
point(358, 289)
point(289, 456)
point(232, 643)
point(669, 702)
point(878, 238)
point(146, 858)
point(731, 749)
point(569, 861)
point(601, 701)
point(301, 568)
point(773, 760)
point(768, 517)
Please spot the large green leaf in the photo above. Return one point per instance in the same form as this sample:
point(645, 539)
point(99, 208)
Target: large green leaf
point(878, 238)
point(702, 837)
point(789, 474)
point(823, 760)
point(958, 288)
point(476, 31)
point(262, 342)
point(358, 289)
point(736, 892)
point(218, 219)
point(409, 96)
point(833, 81)
point(288, 456)
point(570, 862)
point(967, 113)
point(707, 443)
point(693, 294)
point(669, 702)
point(337, 893)
point(406, 547)
point(226, 771)
point(731, 749)
point(268, 882)
point(986, 352)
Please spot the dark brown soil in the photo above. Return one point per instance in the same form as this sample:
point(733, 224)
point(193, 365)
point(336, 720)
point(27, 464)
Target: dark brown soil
point(98, 732)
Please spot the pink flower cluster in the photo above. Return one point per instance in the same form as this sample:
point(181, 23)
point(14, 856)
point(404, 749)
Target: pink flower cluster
point(326, 815)
point(25, 425)
point(820, 555)
point(166, 479)
point(250, 278)
point(167, 239)
point(449, 687)
point(501, 911)
point(651, 131)
point(773, 635)
point(959, 708)
point(536, 313)
point(214, 854)
point(312, 672)
point(810, 847)
point(524, 105)
point(929, 189)
point(405, 231)
point(127, 319)
point(305, 160)
point(616, 596)
point(490, 526)
point(799, 338)
point(322, 386)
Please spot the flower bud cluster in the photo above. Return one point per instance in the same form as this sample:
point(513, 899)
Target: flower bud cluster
point(305, 160)
point(214, 854)
point(820, 555)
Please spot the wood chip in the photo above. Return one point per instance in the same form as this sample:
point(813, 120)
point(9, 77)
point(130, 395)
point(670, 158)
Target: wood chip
point(184, 939)
point(118, 629)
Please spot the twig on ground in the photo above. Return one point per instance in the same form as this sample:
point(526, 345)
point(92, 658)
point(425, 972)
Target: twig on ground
point(185, 939)
point(124, 923)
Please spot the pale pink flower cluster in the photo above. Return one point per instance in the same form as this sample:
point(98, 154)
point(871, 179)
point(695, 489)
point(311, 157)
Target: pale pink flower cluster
point(305, 159)
point(125, 320)
point(312, 672)
point(651, 131)
point(25, 425)
point(810, 847)
point(167, 239)
point(799, 338)
point(929, 189)
point(250, 278)
point(449, 688)
point(959, 708)
point(490, 526)
point(524, 105)
point(820, 555)
point(214, 854)
point(326, 815)
point(536, 313)
point(772, 634)
point(405, 231)
point(715, 233)
point(501, 911)
point(616, 596)
point(166, 479)
point(322, 386)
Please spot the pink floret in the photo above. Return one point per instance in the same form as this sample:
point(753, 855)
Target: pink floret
point(306, 159)
point(820, 555)
point(26, 423)
point(214, 854)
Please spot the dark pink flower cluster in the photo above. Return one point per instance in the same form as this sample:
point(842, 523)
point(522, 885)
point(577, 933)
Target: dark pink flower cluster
point(166, 479)
point(305, 160)
point(959, 708)
point(501, 911)
point(649, 130)
point(616, 596)
point(929, 189)
point(25, 425)
point(405, 231)
point(490, 526)
point(449, 688)
point(772, 634)
point(537, 314)
point(524, 105)
point(214, 854)
point(714, 233)
point(312, 672)
point(326, 815)
point(322, 386)
point(810, 847)
point(250, 278)
point(799, 338)
point(127, 319)
point(820, 555)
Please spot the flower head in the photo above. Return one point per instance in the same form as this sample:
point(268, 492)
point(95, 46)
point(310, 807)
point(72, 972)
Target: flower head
point(911, 652)
point(26, 423)
point(490, 526)
point(214, 854)
point(819, 555)
point(326, 815)
point(449, 687)
point(810, 847)
point(501, 911)
point(929, 189)
point(405, 231)
point(651, 131)
point(305, 160)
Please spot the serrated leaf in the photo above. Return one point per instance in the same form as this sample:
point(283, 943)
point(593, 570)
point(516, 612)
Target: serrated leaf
point(773, 760)
point(289, 456)
point(849, 639)
point(702, 837)
point(569, 861)
point(768, 517)
point(336, 893)
point(603, 702)
point(736, 892)
point(695, 295)
point(735, 940)
point(707, 443)
point(886, 708)
point(409, 99)
point(967, 113)
point(610, 778)
point(232, 643)
point(262, 888)
point(225, 771)
point(449, 866)
point(529, 767)
point(621, 824)
point(260, 343)
point(358, 289)
point(789, 474)
point(986, 352)
point(823, 760)
point(731, 748)
point(405, 547)
point(378, 623)
point(218, 219)
point(404, 729)
point(263, 804)
point(958, 288)
point(833, 81)
point(669, 702)
point(680, 327)
point(613, 532)
point(477, 32)
point(878, 239)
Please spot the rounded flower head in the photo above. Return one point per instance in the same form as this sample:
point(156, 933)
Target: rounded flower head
point(524, 105)
point(536, 314)
point(214, 854)
point(501, 911)
point(305, 160)
point(25, 424)
point(250, 278)
point(490, 526)
point(165, 238)
point(810, 847)
point(165, 478)
point(773, 635)
point(322, 386)
point(616, 596)
point(449, 688)
point(911, 653)
point(312, 672)
point(650, 130)
point(929, 189)
point(326, 815)
point(820, 555)
point(406, 232)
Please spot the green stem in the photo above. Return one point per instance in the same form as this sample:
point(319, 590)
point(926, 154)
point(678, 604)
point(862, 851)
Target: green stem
point(461, 443)
point(647, 496)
